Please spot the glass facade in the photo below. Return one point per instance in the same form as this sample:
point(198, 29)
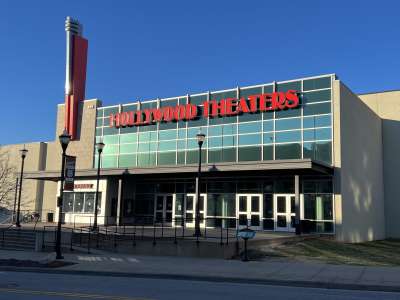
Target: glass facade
point(302, 132)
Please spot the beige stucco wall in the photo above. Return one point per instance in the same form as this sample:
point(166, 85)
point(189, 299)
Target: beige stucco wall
point(31, 197)
point(387, 106)
point(358, 161)
point(82, 147)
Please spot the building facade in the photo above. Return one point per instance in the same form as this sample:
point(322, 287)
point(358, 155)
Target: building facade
point(305, 153)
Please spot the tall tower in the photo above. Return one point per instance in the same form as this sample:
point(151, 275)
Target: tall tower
point(75, 73)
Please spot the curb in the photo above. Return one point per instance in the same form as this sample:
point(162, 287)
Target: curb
point(258, 281)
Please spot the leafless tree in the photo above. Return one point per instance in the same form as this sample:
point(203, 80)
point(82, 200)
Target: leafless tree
point(7, 181)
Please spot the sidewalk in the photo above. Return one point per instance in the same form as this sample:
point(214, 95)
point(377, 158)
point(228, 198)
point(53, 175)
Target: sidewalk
point(273, 271)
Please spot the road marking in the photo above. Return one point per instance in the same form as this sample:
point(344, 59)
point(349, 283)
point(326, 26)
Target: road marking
point(68, 294)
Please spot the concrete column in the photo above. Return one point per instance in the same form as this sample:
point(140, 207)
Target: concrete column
point(119, 201)
point(297, 203)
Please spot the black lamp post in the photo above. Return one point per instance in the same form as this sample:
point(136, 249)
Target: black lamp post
point(100, 147)
point(200, 139)
point(64, 138)
point(23, 155)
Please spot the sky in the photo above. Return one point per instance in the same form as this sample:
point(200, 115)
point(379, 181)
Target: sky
point(149, 49)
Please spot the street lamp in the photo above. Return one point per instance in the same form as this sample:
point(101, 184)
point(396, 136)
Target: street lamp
point(23, 155)
point(100, 147)
point(200, 140)
point(64, 138)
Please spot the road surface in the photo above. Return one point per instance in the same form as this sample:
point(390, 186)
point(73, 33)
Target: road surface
point(43, 286)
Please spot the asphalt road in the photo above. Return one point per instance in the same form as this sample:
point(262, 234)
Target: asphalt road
point(18, 285)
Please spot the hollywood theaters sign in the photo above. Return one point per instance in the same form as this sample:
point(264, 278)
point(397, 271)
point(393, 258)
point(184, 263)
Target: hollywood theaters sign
point(212, 108)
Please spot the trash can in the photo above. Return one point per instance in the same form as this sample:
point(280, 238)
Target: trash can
point(50, 217)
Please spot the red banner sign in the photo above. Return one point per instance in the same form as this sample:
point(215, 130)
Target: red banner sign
point(69, 172)
point(224, 107)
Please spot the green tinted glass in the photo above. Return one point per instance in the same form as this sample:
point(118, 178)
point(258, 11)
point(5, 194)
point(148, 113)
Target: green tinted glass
point(99, 122)
point(167, 158)
point(268, 152)
point(127, 148)
point(268, 126)
point(99, 113)
point(317, 121)
point(288, 151)
point(288, 136)
point(110, 149)
point(148, 105)
point(317, 109)
point(109, 161)
point(268, 88)
point(128, 129)
point(198, 100)
point(169, 102)
point(287, 124)
point(321, 151)
point(215, 142)
point(127, 161)
point(249, 139)
point(167, 146)
point(167, 135)
point(268, 138)
point(318, 96)
point(215, 130)
point(229, 140)
point(318, 83)
point(214, 155)
point(293, 112)
point(111, 139)
point(229, 129)
point(228, 154)
point(110, 130)
point(128, 138)
point(249, 153)
point(253, 127)
point(181, 133)
point(110, 110)
point(294, 85)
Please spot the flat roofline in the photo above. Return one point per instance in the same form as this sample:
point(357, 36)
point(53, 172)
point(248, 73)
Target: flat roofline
point(380, 92)
point(271, 165)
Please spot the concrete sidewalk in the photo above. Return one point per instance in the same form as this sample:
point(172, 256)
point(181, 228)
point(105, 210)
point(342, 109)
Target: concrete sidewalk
point(271, 271)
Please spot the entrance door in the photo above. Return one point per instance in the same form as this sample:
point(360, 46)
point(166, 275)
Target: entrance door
point(285, 211)
point(163, 205)
point(190, 209)
point(249, 208)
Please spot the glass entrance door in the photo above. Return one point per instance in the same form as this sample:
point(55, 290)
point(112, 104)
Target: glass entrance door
point(190, 209)
point(249, 208)
point(284, 212)
point(163, 204)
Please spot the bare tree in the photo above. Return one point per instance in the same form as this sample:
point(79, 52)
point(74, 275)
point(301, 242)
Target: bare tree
point(7, 181)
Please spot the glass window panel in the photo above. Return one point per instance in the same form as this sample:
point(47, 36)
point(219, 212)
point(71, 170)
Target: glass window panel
point(223, 95)
point(318, 83)
point(229, 129)
point(169, 102)
point(148, 104)
point(167, 158)
point(245, 117)
point(318, 96)
point(181, 144)
point(181, 133)
point(127, 160)
point(153, 146)
point(317, 109)
point(268, 115)
point(144, 147)
point(192, 157)
point(192, 132)
point(99, 113)
point(249, 139)
point(68, 202)
point(293, 112)
point(144, 136)
point(215, 130)
point(198, 100)
point(110, 149)
point(245, 92)
point(268, 153)
point(268, 88)
point(321, 151)
point(128, 138)
point(309, 135)
point(249, 153)
point(167, 135)
point(253, 127)
point(129, 107)
point(323, 133)
point(110, 131)
point(146, 128)
point(109, 161)
point(89, 202)
point(228, 141)
point(167, 146)
point(268, 126)
point(167, 125)
point(288, 151)
point(317, 121)
point(255, 204)
point(183, 101)
point(228, 154)
point(288, 136)
point(110, 110)
point(215, 142)
point(286, 124)
point(214, 205)
point(99, 131)
point(128, 129)
point(200, 121)
point(78, 203)
point(214, 155)
point(294, 85)
point(111, 139)
point(181, 157)
point(127, 148)
point(192, 144)
point(268, 206)
point(268, 138)
point(99, 122)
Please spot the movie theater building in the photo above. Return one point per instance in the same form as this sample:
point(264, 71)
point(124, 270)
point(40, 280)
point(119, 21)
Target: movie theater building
point(305, 151)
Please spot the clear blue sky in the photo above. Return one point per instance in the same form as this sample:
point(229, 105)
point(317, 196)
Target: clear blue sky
point(149, 49)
